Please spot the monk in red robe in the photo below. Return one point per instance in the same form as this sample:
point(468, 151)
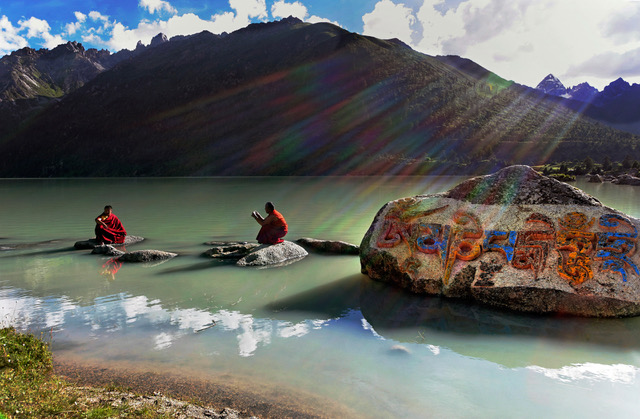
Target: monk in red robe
point(109, 229)
point(274, 227)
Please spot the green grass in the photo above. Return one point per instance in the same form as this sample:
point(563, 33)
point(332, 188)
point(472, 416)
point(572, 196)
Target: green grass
point(30, 390)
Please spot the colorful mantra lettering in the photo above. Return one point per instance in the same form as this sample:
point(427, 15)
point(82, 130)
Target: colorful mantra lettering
point(578, 247)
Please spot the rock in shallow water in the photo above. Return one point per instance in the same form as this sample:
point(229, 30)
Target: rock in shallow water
point(107, 250)
point(91, 243)
point(514, 239)
point(273, 254)
point(229, 250)
point(627, 180)
point(329, 246)
point(146, 256)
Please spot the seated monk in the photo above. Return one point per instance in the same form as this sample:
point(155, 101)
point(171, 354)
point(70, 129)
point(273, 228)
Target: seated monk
point(109, 229)
point(274, 227)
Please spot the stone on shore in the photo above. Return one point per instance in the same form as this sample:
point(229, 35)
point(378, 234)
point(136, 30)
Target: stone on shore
point(514, 239)
point(273, 254)
point(595, 179)
point(91, 243)
point(329, 246)
point(146, 256)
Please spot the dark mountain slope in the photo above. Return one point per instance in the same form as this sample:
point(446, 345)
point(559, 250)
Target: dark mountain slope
point(293, 98)
point(31, 80)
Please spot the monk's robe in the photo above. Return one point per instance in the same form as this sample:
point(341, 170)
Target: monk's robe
point(273, 232)
point(113, 233)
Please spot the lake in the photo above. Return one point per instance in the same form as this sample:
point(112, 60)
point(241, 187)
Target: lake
point(315, 337)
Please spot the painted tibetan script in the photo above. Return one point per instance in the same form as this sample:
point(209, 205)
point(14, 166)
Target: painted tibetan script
point(581, 243)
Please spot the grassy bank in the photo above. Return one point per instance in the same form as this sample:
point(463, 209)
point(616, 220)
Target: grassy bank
point(29, 389)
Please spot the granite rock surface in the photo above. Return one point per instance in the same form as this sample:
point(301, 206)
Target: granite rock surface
point(514, 239)
point(273, 254)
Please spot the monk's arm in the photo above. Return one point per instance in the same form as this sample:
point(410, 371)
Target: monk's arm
point(256, 216)
point(100, 222)
point(263, 221)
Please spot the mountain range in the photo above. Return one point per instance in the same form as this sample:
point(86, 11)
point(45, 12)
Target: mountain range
point(617, 105)
point(278, 98)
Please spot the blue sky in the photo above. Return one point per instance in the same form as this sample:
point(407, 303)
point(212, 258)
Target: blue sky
point(595, 41)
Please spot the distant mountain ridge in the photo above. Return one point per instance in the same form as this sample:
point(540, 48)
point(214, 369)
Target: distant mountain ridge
point(618, 104)
point(293, 98)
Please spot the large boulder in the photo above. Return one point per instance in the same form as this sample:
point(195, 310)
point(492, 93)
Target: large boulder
point(91, 243)
point(146, 256)
point(513, 239)
point(273, 255)
point(329, 246)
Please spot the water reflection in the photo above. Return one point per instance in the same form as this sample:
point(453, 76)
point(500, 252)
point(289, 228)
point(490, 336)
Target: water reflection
point(617, 373)
point(116, 312)
point(110, 268)
point(394, 314)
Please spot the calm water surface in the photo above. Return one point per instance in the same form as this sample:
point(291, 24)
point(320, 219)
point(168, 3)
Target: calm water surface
point(314, 327)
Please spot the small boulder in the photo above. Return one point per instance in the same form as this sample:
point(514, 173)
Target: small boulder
point(273, 254)
point(91, 243)
point(229, 250)
point(329, 246)
point(107, 250)
point(627, 180)
point(146, 256)
point(595, 179)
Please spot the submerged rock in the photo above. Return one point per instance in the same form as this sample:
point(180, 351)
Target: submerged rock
point(91, 243)
point(229, 250)
point(514, 239)
point(273, 254)
point(146, 256)
point(329, 246)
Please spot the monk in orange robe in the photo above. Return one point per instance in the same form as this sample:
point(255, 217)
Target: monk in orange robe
point(274, 227)
point(109, 229)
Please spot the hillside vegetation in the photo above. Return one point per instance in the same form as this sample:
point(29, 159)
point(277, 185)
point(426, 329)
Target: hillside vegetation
point(290, 98)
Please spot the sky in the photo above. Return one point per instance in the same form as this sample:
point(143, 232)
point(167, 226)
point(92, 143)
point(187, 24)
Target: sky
point(594, 41)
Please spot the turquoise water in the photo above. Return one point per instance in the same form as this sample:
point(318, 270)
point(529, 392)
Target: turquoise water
point(317, 327)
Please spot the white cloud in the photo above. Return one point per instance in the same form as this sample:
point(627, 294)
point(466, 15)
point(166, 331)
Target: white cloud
point(10, 40)
point(281, 9)
point(97, 16)
point(390, 20)
point(154, 6)
point(81, 17)
point(249, 8)
point(72, 27)
point(38, 28)
point(522, 40)
point(35, 27)
point(186, 24)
